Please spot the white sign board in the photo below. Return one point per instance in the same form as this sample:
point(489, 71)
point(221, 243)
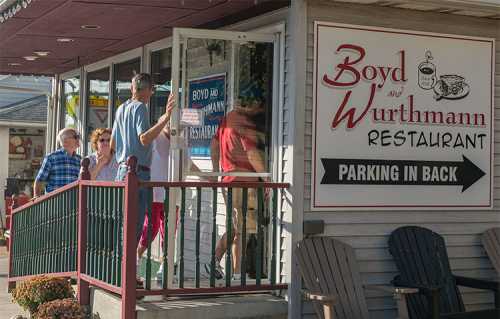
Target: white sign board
point(401, 120)
point(191, 117)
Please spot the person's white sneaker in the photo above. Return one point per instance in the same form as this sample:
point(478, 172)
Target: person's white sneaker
point(237, 277)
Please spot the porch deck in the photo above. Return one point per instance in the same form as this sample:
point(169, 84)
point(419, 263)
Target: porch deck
point(106, 305)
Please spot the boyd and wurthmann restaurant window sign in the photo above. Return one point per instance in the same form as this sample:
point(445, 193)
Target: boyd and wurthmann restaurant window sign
point(402, 119)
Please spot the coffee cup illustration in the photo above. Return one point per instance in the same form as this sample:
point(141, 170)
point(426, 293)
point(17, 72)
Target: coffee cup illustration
point(427, 73)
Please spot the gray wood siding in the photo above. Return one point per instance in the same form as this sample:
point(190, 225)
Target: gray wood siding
point(368, 232)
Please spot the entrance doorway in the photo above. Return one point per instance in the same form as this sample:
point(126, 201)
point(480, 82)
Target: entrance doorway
point(228, 78)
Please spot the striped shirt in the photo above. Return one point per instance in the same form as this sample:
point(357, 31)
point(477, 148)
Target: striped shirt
point(58, 169)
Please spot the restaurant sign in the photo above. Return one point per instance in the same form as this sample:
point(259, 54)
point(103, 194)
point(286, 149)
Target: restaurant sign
point(402, 119)
point(208, 95)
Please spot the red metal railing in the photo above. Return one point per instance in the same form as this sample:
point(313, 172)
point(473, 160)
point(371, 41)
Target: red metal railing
point(106, 237)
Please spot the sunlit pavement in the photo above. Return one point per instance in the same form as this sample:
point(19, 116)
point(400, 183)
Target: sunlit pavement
point(7, 308)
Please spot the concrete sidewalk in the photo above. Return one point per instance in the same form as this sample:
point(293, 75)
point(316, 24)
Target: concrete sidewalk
point(7, 308)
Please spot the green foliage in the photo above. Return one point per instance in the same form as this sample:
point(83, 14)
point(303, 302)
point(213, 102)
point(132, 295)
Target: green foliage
point(34, 292)
point(60, 309)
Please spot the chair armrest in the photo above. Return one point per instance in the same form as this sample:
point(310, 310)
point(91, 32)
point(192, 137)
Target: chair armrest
point(431, 292)
point(424, 289)
point(392, 289)
point(319, 297)
point(399, 294)
point(478, 283)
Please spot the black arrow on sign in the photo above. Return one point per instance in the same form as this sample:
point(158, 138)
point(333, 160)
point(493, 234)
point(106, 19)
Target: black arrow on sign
point(392, 172)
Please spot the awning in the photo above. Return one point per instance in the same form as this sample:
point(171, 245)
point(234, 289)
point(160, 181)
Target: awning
point(55, 36)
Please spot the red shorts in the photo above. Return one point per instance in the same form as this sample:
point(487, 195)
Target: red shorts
point(157, 224)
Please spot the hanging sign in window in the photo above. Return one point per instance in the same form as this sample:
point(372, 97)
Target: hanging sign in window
point(207, 94)
point(402, 119)
point(191, 117)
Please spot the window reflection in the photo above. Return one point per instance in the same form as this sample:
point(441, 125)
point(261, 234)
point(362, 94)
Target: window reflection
point(97, 103)
point(123, 74)
point(235, 97)
point(71, 102)
point(254, 89)
point(161, 71)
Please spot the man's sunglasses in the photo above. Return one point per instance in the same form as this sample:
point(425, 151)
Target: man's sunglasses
point(102, 140)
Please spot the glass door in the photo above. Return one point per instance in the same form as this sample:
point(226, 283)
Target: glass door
point(222, 77)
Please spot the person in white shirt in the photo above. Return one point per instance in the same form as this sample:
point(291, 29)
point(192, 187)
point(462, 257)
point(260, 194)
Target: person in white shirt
point(159, 172)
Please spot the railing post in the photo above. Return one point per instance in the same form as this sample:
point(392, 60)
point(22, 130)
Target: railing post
point(11, 284)
point(83, 286)
point(129, 240)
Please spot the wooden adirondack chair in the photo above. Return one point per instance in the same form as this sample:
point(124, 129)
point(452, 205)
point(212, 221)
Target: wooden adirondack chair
point(491, 243)
point(331, 276)
point(421, 258)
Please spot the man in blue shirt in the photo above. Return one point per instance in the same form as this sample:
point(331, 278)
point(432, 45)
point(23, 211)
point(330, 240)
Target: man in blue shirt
point(133, 135)
point(62, 166)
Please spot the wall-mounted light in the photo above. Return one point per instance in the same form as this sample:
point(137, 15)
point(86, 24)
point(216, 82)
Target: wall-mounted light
point(14, 64)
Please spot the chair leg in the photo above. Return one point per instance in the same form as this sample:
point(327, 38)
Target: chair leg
point(328, 310)
point(402, 306)
point(434, 299)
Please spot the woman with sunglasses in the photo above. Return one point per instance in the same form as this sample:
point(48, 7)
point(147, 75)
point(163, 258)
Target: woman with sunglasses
point(103, 165)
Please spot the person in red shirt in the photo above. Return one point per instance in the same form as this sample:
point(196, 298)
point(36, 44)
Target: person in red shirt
point(237, 147)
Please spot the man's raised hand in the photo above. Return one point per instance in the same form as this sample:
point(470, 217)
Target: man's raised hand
point(170, 105)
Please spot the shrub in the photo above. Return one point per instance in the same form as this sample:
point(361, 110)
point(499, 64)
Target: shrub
point(60, 309)
point(34, 292)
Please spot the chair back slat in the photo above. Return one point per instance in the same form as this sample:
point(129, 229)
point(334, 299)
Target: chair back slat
point(421, 258)
point(329, 266)
point(491, 243)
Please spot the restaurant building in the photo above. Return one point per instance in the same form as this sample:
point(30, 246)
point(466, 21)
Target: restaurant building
point(378, 114)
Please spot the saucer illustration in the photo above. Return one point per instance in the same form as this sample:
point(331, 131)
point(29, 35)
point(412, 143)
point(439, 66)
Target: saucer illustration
point(451, 87)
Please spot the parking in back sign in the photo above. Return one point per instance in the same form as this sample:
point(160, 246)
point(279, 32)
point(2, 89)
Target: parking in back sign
point(402, 119)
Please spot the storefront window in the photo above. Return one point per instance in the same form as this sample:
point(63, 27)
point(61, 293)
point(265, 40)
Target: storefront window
point(97, 103)
point(123, 74)
point(161, 71)
point(71, 102)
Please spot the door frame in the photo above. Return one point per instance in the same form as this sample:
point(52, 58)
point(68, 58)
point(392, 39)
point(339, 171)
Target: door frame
point(179, 37)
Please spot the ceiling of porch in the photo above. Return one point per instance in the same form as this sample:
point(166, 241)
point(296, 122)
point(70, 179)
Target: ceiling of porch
point(101, 28)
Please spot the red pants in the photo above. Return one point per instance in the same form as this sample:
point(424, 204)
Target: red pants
point(156, 225)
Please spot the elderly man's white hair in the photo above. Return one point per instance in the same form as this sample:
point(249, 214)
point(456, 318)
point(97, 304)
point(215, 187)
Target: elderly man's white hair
point(64, 134)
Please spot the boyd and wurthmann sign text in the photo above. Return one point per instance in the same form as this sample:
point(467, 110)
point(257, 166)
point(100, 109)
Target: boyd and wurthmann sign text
point(402, 119)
